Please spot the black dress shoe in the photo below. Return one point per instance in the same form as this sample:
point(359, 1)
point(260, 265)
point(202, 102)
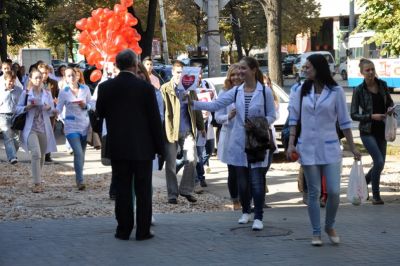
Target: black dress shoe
point(145, 237)
point(203, 183)
point(190, 198)
point(120, 237)
point(172, 201)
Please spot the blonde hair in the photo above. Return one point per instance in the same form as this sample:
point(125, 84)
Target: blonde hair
point(227, 83)
point(363, 62)
point(9, 75)
point(81, 77)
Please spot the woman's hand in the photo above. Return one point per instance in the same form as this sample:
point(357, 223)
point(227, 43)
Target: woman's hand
point(378, 117)
point(290, 150)
point(46, 107)
point(29, 107)
point(232, 114)
point(391, 110)
point(357, 154)
point(82, 104)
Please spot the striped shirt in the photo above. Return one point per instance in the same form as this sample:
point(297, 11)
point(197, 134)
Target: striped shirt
point(247, 100)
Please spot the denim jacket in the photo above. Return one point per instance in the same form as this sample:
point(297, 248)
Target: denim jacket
point(361, 104)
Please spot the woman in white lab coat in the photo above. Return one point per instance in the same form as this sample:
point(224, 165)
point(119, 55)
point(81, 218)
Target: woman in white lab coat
point(250, 98)
point(323, 103)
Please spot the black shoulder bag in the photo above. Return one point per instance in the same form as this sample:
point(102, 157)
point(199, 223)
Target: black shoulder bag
point(258, 135)
point(18, 120)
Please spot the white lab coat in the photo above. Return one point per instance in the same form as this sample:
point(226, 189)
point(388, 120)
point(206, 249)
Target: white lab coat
point(318, 142)
point(236, 154)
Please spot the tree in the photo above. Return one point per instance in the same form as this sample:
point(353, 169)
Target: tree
point(191, 17)
point(253, 27)
point(272, 10)
point(383, 17)
point(146, 43)
point(59, 25)
point(17, 19)
point(299, 16)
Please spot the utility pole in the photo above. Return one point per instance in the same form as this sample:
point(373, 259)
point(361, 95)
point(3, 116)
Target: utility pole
point(351, 17)
point(214, 47)
point(163, 33)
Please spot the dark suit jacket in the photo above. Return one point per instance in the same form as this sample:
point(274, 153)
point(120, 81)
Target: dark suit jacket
point(130, 109)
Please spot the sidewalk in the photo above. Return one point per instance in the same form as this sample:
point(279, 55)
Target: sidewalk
point(370, 234)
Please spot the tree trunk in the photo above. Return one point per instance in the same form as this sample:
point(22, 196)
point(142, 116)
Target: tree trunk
point(236, 30)
point(198, 35)
point(273, 11)
point(4, 31)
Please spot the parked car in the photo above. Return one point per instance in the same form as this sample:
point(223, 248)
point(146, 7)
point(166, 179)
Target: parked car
point(218, 84)
point(287, 65)
point(343, 70)
point(56, 63)
point(224, 70)
point(163, 72)
point(301, 60)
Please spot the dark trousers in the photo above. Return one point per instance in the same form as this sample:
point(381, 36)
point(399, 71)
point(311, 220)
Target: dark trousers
point(233, 182)
point(139, 172)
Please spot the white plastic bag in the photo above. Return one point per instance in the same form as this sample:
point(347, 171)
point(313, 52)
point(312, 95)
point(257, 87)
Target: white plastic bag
point(390, 127)
point(357, 191)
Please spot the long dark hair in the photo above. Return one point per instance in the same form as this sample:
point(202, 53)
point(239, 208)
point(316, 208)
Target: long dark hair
point(322, 73)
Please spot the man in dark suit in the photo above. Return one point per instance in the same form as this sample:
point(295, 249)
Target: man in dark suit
point(134, 136)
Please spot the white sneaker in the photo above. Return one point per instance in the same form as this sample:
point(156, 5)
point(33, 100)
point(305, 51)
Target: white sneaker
point(257, 225)
point(153, 221)
point(244, 219)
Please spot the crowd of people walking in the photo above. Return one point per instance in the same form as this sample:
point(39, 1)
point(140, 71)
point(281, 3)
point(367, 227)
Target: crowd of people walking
point(147, 126)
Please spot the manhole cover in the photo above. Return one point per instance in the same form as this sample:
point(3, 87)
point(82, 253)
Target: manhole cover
point(268, 231)
point(49, 202)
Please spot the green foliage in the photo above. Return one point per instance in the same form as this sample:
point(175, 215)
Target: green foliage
point(299, 16)
point(21, 15)
point(185, 24)
point(383, 17)
point(59, 26)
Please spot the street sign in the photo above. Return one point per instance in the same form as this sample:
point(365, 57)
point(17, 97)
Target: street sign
point(203, 4)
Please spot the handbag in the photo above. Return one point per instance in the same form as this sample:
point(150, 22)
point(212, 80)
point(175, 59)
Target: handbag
point(258, 136)
point(18, 120)
point(95, 121)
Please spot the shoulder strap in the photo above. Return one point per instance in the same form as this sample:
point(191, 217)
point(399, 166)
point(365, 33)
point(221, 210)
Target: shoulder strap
point(265, 101)
point(236, 91)
point(26, 98)
point(301, 101)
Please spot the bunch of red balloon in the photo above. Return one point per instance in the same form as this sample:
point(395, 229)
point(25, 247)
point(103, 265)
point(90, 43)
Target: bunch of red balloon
point(106, 33)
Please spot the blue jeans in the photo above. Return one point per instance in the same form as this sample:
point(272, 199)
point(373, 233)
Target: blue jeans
point(200, 163)
point(377, 150)
point(78, 145)
point(11, 143)
point(313, 175)
point(251, 184)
